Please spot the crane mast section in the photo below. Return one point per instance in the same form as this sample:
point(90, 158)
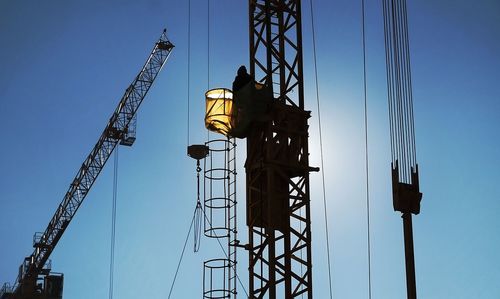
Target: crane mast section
point(276, 48)
point(277, 165)
point(115, 132)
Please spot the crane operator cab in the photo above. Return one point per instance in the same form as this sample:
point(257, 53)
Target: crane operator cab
point(232, 113)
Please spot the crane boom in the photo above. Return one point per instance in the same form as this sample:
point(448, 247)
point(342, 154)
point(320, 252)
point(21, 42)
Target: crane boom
point(117, 131)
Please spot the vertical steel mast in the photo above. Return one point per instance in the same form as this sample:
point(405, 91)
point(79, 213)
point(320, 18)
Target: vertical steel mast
point(404, 167)
point(277, 166)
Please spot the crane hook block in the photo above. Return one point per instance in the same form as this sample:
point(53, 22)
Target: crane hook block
point(406, 197)
point(197, 151)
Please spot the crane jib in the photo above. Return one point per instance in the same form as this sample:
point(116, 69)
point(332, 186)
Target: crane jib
point(114, 133)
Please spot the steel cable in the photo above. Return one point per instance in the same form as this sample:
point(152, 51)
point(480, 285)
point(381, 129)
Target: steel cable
point(366, 153)
point(208, 54)
point(188, 71)
point(399, 88)
point(321, 150)
point(182, 256)
point(113, 224)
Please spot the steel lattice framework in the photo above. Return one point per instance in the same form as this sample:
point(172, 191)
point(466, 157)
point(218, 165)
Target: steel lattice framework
point(277, 166)
point(276, 48)
point(116, 131)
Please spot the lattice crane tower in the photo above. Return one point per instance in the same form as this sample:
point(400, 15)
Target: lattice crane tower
point(277, 165)
point(267, 108)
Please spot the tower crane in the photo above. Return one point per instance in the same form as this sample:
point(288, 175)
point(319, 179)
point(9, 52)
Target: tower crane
point(35, 279)
point(277, 165)
point(269, 112)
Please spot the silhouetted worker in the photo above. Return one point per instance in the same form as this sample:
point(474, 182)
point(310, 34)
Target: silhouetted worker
point(242, 79)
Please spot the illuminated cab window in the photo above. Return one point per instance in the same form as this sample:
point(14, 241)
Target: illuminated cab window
point(219, 107)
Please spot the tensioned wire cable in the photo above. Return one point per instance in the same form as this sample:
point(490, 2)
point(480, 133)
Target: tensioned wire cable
point(366, 152)
point(208, 54)
point(113, 224)
point(182, 255)
point(188, 71)
point(399, 88)
point(321, 150)
point(197, 216)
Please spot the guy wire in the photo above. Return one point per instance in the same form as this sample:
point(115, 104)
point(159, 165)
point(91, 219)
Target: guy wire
point(366, 153)
point(321, 151)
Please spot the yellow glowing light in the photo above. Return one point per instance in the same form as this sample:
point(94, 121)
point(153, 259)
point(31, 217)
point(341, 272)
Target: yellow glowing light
point(219, 107)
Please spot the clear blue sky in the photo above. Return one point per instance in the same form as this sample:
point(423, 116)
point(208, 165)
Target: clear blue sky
point(65, 64)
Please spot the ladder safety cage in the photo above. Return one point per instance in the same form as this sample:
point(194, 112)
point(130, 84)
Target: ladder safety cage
point(219, 274)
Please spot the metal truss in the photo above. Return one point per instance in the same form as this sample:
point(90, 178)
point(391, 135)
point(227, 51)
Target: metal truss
point(277, 166)
point(116, 131)
point(276, 48)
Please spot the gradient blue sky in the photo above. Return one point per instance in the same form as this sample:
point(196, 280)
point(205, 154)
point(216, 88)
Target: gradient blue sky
point(65, 64)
